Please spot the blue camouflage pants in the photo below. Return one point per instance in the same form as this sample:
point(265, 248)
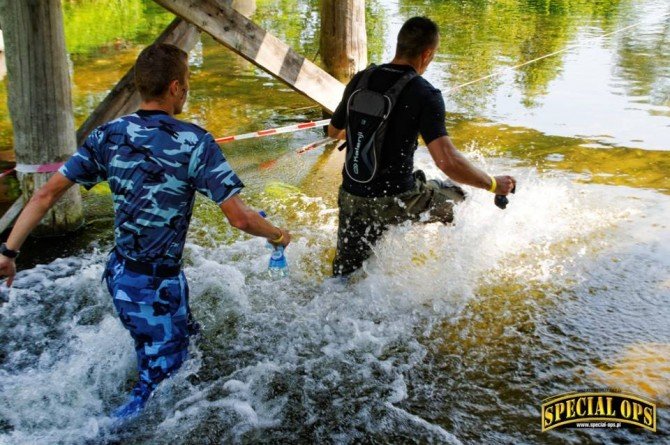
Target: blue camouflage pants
point(155, 310)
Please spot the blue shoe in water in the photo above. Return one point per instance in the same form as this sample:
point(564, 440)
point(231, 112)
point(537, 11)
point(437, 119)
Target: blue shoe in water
point(135, 404)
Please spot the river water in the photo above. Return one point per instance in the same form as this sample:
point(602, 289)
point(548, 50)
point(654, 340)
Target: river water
point(455, 334)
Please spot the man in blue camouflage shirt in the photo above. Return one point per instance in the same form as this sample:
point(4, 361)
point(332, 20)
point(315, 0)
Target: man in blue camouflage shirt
point(154, 164)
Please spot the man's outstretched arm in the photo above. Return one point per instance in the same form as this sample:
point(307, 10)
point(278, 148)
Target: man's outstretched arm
point(457, 167)
point(247, 220)
point(30, 217)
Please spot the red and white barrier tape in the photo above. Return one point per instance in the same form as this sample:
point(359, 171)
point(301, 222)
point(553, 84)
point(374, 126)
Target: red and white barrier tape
point(38, 168)
point(54, 166)
point(314, 145)
point(6, 172)
point(271, 131)
point(33, 168)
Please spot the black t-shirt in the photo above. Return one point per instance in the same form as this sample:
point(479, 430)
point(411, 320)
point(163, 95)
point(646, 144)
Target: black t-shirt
point(420, 109)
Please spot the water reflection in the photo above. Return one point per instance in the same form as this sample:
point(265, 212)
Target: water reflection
point(624, 79)
point(643, 60)
point(571, 109)
point(100, 27)
point(641, 369)
point(574, 93)
point(585, 159)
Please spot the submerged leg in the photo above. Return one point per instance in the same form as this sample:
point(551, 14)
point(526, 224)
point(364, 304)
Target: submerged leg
point(355, 238)
point(358, 230)
point(434, 196)
point(155, 312)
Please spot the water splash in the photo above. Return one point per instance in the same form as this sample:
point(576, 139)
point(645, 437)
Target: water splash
point(310, 358)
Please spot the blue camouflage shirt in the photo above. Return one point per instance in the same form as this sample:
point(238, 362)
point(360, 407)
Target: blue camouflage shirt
point(154, 164)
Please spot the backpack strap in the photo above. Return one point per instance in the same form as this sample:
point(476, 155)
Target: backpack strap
point(394, 92)
point(392, 95)
point(361, 84)
point(365, 77)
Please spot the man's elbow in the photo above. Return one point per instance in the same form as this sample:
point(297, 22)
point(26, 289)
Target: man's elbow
point(450, 166)
point(44, 197)
point(47, 195)
point(447, 159)
point(240, 221)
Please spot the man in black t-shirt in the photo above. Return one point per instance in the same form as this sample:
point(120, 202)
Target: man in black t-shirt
point(397, 193)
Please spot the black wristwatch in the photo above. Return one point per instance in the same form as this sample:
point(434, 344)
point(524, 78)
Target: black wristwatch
point(6, 251)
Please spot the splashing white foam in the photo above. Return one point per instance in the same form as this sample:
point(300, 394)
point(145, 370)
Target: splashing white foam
point(304, 357)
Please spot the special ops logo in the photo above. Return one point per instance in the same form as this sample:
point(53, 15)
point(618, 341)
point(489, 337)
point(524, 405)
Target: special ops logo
point(598, 410)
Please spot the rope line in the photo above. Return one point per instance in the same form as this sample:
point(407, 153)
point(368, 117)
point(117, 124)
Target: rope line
point(555, 53)
point(314, 145)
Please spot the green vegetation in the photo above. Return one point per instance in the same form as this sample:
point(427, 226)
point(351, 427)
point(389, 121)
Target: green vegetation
point(296, 23)
point(96, 25)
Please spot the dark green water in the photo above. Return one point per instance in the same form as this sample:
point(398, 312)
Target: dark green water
point(457, 333)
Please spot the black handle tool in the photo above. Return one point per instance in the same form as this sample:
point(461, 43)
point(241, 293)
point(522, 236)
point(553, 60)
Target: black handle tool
point(502, 201)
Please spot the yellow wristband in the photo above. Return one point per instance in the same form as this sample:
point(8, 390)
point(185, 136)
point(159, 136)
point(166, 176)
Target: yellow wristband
point(494, 185)
point(278, 240)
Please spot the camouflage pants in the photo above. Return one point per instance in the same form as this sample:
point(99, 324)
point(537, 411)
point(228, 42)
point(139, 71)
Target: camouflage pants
point(363, 221)
point(155, 311)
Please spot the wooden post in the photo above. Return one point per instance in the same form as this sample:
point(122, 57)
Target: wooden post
point(247, 39)
point(124, 98)
point(40, 101)
point(344, 44)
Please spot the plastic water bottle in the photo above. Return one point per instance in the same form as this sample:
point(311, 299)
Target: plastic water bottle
point(278, 267)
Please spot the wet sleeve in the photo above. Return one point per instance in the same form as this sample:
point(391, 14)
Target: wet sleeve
point(432, 123)
point(339, 119)
point(86, 166)
point(210, 173)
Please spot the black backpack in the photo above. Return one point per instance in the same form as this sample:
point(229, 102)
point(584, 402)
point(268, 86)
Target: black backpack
point(367, 116)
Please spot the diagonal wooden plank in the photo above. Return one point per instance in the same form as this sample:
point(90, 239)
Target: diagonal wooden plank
point(250, 41)
point(124, 98)
point(11, 214)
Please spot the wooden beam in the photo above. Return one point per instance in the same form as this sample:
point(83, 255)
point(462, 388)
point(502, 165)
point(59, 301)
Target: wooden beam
point(124, 98)
point(247, 39)
point(11, 214)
